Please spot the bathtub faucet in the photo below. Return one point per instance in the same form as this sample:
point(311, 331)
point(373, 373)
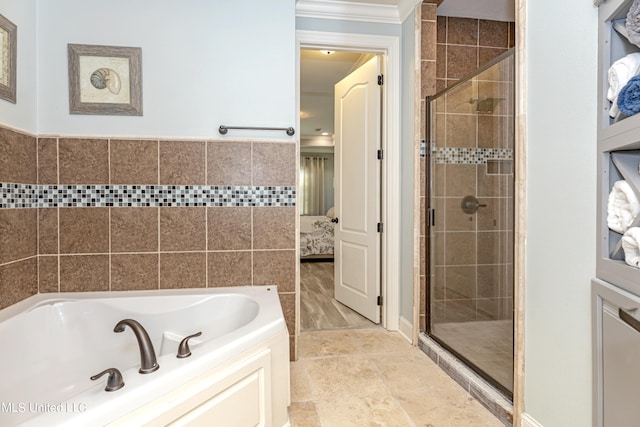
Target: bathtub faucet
point(148, 362)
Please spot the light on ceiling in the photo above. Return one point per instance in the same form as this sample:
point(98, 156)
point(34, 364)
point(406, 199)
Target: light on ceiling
point(327, 52)
point(324, 133)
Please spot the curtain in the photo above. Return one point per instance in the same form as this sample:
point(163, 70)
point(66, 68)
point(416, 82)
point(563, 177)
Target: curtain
point(312, 186)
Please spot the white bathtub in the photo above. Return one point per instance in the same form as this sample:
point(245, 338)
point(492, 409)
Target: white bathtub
point(53, 343)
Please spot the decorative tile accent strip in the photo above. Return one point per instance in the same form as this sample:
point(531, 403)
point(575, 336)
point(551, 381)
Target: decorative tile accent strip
point(470, 156)
point(66, 196)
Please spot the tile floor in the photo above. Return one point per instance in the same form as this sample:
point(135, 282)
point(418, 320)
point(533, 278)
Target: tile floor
point(372, 377)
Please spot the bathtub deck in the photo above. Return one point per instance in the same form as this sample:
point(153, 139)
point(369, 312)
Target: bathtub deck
point(396, 384)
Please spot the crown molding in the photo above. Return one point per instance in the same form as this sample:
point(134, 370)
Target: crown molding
point(356, 11)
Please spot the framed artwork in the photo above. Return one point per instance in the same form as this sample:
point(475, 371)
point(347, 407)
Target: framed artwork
point(8, 55)
point(105, 80)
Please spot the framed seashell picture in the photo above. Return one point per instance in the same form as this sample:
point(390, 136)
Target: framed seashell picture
point(8, 55)
point(105, 80)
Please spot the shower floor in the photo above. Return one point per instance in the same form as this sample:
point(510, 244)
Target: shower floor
point(486, 344)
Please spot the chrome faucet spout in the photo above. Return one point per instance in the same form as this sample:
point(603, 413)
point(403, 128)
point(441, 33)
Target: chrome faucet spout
point(148, 362)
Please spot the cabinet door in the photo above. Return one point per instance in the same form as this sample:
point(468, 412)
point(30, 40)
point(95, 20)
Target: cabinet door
point(621, 369)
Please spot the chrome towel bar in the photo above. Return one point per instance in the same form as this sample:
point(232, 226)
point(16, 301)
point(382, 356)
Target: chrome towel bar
point(224, 129)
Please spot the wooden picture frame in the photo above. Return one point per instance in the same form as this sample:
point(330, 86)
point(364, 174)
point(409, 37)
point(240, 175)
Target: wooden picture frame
point(8, 58)
point(105, 80)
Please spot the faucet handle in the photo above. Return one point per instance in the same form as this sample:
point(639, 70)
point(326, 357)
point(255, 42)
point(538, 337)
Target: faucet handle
point(183, 348)
point(114, 382)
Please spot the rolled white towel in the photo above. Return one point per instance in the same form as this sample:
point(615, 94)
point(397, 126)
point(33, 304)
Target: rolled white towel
point(622, 208)
point(619, 75)
point(631, 246)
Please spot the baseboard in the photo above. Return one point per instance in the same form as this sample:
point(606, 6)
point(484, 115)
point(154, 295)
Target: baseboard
point(406, 329)
point(528, 421)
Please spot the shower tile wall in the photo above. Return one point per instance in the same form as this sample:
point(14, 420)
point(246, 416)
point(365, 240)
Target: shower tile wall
point(462, 45)
point(18, 227)
point(185, 240)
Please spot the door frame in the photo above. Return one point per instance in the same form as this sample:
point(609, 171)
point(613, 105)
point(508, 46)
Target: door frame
point(389, 48)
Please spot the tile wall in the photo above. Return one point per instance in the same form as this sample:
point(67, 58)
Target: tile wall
point(19, 226)
point(114, 214)
point(461, 46)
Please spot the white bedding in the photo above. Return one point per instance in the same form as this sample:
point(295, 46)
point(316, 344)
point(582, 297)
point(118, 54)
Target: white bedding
point(316, 235)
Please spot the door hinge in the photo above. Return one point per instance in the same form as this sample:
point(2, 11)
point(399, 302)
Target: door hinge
point(380, 155)
point(380, 227)
point(380, 79)
point(379, 299)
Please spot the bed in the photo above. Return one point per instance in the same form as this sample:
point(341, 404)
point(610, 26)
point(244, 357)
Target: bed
point(316, 237)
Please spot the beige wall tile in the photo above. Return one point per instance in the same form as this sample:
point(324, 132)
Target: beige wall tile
point(429, 80)
point(48, 231)
point(493, 33)
point(274, 164)
point(183, 229)
point(460, 180)
point(288, 303)
point(275, 268)
point(229, 228)
point(461, 61)
point(428, 11)
point(134, 229)
point(83, 161)
point(182, 163)
point(442, 29)
point(18, 280)
point(461, 282)
point(17, 157)
point(134, 162)
point(274, 228)
point(441, 61)
point(84, 273)
point(428, 45)
point(488, 54)
point(84, 230)
point(183, 270)
point(461, 248)
point(228, 163)
point(47, 161)
point(18, 234)
point(48, 274)
point(462, 31)
point(229, 269)
point(134, 272)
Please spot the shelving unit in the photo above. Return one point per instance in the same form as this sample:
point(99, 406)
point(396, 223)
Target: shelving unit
point(617, 285)
point(618, 148)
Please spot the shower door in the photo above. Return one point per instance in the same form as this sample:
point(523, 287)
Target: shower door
point(470, 210)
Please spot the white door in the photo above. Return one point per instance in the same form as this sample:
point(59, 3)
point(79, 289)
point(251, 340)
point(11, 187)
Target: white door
point(357, 190)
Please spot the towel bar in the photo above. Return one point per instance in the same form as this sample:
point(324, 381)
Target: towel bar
point(224, 129)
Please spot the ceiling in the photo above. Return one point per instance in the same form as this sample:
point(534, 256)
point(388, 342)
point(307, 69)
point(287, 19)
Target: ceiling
point(320, 72)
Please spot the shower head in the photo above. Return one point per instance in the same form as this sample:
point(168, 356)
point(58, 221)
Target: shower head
point(485, 105)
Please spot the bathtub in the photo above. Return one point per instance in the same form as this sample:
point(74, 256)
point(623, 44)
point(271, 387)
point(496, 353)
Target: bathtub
point(238, 373)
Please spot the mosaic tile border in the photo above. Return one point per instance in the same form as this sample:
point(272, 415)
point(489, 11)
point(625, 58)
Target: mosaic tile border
point(470, 156)
point(66, 196)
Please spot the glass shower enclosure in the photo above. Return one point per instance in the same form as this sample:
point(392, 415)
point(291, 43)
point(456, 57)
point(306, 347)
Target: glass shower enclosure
point(470, 211)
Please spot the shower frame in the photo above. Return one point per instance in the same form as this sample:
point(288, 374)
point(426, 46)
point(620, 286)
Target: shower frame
point(430, 220)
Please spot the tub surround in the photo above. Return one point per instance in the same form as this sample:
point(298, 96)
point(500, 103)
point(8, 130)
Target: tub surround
point(237, 373)
point(103, 214)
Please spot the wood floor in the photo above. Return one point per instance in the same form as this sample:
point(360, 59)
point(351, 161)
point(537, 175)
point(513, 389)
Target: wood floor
point(318, 309)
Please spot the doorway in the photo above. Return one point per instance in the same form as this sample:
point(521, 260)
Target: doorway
point(339, 182)
point(388, 47)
